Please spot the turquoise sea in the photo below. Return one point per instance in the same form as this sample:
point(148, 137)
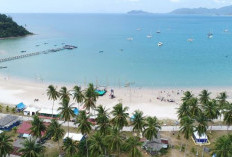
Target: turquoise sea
point(178, 63)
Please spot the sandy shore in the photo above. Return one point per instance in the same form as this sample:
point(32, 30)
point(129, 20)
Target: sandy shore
point(14, 91)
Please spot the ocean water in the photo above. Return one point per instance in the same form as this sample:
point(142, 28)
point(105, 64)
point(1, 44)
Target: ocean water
point(178, 63)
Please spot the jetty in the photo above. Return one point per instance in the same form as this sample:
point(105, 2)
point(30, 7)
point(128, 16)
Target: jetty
point(66, 47)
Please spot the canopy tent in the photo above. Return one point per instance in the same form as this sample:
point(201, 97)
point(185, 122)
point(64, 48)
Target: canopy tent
point(74, 136)
point(30, 111)
point(76, 111)
point(20, 106)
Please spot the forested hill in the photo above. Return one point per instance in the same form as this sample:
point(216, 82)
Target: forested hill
point(9, 28)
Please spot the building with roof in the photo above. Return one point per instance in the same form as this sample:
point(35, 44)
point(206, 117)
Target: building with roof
point(45, 112)
point(8, 122)
point(24, 129)
point(200, 139)
point(74, 136)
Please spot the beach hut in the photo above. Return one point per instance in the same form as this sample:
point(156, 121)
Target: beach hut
point(200, 140)
point(8, 122)
point(30, 111)
point(20, 107)
point(74, 136)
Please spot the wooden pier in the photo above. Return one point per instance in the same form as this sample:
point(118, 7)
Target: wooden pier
point(66, 47)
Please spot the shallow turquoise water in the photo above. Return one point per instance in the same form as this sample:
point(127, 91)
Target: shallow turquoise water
point(204, 62)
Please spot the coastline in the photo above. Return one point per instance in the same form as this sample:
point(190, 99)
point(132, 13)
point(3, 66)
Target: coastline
point(14, 91)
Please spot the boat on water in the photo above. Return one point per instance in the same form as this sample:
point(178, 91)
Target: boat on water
point(210, 35)
point(130, 39)
point(138, 29)
point(190, 40)
point(23, 51)
point(160, 44)
point(149, 36)
point(101, 51)
point(226, 30)
point(3, 67)
point(158, 32)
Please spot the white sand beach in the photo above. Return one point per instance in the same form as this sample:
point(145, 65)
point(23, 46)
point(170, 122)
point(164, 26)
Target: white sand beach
point(14, 91)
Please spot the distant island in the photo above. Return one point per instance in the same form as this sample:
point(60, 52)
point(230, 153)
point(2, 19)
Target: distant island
point(204, 11)
point(9, 28)
point(138, 12)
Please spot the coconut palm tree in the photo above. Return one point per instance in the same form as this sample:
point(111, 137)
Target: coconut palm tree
point(187, 95)
point(90, 97)
point(102, 120)
point(37, 127)
point(97, 145)
point(183, 110)
point(228, 115)
point(222, 100)
point(202, 125)
point(70, 147)
point(223, 146)
point(55, 131)
point(114, 141)
point(210, 110)
point(204, 97)
point(194, 107)
point(119, 116)
point(31, 148)
point(52, 94)
point(78, 95)
point(83, 125)
point(5, 145)
point(64, 94)
point(66, 111)
point(152, 127)
point(132, 144)
point(138, 121)
point(186, 126)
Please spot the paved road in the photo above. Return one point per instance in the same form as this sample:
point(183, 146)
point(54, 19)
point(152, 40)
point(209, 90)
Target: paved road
point(129, 128)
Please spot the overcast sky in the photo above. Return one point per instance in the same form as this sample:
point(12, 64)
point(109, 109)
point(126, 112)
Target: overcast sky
point(103, 6)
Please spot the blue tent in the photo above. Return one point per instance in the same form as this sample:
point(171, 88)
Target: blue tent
point(21, 106)
point(76, 111)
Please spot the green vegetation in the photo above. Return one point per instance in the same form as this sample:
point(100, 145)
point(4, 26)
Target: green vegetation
point(9, 28)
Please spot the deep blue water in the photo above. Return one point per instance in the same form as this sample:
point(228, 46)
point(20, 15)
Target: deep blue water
point(203, 62)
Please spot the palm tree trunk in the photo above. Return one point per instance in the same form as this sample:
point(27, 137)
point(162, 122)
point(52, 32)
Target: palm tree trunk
point(68, 128)
point(59, 147)
point(52, 108)
point(86, 147)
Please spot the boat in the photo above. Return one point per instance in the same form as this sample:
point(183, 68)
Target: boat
point(149, 36)
point(101, 51)
point(210, 35)
point(3, 67)
point(190, 40)
point(130, 38)
point(158, 31)
point(23, 51)
point(226, 30)
point(160, 44)
point(138, 29)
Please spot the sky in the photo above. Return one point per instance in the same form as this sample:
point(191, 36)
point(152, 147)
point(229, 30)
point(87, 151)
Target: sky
point(104, 6)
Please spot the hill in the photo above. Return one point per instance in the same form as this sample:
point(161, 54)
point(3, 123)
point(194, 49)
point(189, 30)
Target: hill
point(204, 11)
point(9, 28)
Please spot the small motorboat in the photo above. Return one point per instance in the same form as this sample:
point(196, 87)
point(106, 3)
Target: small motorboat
point(138, 29)
point(3, 67)
point(190, 40)
point(130, 39)
point(101, 51)
point(158, 32)
point(226, 30)
point(23, 51)
point(210, 35)
point(160, 44)
point(149, 36)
